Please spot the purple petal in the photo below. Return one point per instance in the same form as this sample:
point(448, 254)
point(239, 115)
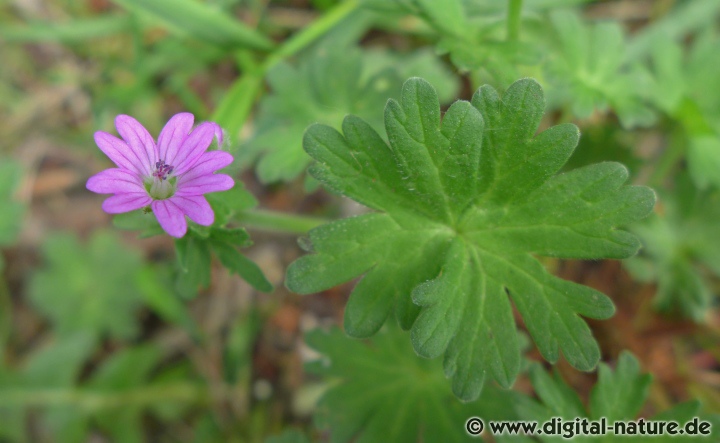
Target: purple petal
point(139, 140)
point(208, 163)
point(205, 184)
point(173, 135)
point(170, 217)
point(115, 181)
point(120, 153)
point(120, 203)
point(194, 145)
point(195, 207)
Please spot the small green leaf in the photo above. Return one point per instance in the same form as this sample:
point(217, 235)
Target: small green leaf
point(138, 221)
point(158, 295)
point(228, 203)
point(193, 255)
point(237, 237)
point(461, 208)
point(201, 21)
point(194, 258)
point(232, 259)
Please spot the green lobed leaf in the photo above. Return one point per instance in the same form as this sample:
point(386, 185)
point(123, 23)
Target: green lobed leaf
point(621, 393)
point(89, 287)
point(460, 208)
point(684, 18)
point(618, 395)
point(588, 71)
point(335, 80)
point(382, 391)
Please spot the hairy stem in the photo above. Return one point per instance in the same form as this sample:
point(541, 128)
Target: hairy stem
point(278, 222)
point(668, 161)
point(513, 19)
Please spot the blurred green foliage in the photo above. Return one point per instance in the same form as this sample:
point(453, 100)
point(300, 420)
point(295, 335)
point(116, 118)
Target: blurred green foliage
point(11, 210)
point(618, 395)
point(382, 391)
point(89, 289)
point(681, 250)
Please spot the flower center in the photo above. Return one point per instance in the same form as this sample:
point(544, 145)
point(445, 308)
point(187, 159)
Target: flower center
point(162, 170)
point(159, 187)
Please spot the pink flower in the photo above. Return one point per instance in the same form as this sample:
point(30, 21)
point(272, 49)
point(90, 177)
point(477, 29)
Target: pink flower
point(170, 176)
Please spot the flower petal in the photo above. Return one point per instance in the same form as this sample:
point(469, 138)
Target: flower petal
point(115, 181)
point(120, 203)
point(195, 207)
point(194, 145)
point(120, 153)
point(139, 140)
point(170, 217)
point(173, 135)
point(205, 184)
point(208, 163)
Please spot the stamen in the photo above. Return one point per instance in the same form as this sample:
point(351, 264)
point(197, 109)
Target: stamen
point(162, 170)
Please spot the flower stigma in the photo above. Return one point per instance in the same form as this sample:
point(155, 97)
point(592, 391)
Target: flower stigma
point(161, 188)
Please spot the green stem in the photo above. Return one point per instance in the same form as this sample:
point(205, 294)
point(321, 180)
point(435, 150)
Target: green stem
point(316, 30)
point(668, 161)
point(5, 313)
point(279, 222)
point(91, 400)
point(513, 20)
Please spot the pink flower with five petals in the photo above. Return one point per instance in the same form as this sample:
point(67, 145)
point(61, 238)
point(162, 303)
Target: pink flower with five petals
point(170, 176)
